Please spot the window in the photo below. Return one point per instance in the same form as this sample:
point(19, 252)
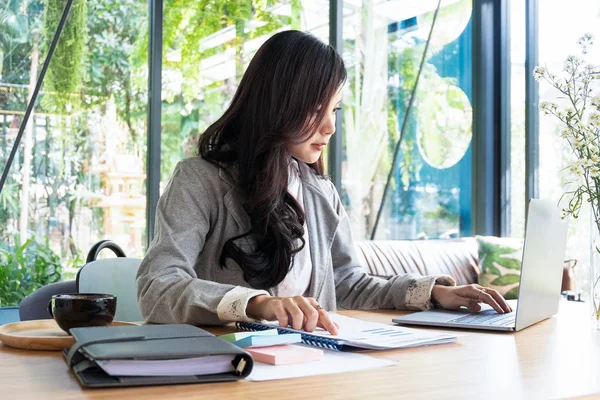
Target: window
point(574, 19)
point(207, 51)
point(80, 171)
point(429, 194)
point(517, 123)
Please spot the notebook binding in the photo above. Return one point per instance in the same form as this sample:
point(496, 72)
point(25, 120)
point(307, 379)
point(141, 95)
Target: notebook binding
point(250, 327)
point(321, 342)
point(307, 338)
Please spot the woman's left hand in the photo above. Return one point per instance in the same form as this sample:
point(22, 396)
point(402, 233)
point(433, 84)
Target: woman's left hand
point(453, 297)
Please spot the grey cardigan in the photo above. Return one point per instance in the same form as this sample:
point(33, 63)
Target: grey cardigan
point(180, 279)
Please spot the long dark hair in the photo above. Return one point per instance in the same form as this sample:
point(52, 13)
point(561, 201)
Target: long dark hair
point(291, 78)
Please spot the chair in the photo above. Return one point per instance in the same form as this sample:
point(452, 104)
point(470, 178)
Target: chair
point(35, 305)
point(114, 276)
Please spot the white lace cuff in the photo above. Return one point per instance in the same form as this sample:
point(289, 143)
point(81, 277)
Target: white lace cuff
point(418, 295)
point(232, 306)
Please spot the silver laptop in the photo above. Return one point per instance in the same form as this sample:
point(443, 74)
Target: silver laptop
point(540, 283)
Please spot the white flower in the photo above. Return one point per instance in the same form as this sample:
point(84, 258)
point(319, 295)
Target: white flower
point(545, 107)
point(579, 143)
point(538, 73)
point(576, 170)
point(574, 60)
point(548, 106)
point(568, 68)
point(585, 41)
point(580, 125)
point(593, 71)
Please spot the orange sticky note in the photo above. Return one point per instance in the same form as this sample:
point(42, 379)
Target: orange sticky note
point(284, 354)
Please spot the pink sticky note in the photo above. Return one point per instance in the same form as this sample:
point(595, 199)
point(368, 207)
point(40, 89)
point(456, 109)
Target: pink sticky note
point(284, 354)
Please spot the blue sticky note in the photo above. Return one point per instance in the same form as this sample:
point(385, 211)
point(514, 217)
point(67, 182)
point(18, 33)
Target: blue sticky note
point(233, 337)
point(261, 341)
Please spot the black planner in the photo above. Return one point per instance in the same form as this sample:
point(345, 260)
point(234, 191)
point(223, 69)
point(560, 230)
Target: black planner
point(118, 356)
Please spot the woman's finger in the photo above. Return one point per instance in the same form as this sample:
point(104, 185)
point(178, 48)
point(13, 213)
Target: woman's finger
point(281, 314)
point(499, 299)
point(296, 315)
point(473, 292)
point(324, 321)
point(485, 297)
point(464, 300)
point(311, 315)
point(473, 305)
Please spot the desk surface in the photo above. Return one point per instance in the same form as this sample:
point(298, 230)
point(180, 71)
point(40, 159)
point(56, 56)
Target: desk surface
point(556, 358)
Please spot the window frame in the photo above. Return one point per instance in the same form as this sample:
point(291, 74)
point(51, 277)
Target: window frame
point(490, 208)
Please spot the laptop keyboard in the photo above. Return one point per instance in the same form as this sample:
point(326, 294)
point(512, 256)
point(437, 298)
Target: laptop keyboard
point(486, 317)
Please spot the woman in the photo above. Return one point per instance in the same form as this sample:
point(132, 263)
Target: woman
point(250, 228)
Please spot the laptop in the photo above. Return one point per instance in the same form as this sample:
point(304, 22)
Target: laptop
point(540, 282)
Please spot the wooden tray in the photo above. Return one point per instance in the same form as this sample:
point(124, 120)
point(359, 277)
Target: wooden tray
point(41, 334)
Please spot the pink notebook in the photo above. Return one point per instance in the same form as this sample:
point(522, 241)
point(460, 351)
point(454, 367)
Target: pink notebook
point(284, 354)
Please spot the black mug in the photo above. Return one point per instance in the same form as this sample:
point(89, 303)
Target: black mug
point(75, 310)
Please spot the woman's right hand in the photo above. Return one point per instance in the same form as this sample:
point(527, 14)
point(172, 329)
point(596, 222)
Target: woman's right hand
point(302, 313)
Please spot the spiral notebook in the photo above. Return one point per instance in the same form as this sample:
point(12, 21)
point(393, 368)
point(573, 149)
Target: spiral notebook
point(358, 334)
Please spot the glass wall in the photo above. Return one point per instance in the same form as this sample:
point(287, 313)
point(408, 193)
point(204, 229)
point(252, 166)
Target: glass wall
point(79, 174)
point(517, 123)
point(429, 193)
point(207, 50)
point(555, 45)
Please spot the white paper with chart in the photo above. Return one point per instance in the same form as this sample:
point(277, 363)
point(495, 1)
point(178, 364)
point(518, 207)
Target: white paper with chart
point(356, 333)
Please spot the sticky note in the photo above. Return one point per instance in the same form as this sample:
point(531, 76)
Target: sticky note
point(233, 337)
point(270, 340)
point(284, 354)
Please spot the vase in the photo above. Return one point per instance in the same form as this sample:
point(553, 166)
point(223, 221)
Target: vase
point(595, 285)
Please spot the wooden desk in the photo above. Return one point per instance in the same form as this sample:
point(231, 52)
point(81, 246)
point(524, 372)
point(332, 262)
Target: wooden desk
point(557, 358)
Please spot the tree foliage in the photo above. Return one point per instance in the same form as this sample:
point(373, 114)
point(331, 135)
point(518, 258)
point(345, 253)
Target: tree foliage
point(194, 31)
point(63, 78)
point(103, 54)
point(113, 28)
point(189, 23)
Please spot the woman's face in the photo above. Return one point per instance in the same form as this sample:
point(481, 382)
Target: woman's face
point(310, 150)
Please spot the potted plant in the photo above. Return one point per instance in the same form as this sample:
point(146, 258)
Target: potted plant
point(26, 268)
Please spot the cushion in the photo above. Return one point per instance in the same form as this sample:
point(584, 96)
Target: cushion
point(500, 263)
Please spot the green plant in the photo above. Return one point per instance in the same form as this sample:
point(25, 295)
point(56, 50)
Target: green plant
point(25, 268)
point(77, 260)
